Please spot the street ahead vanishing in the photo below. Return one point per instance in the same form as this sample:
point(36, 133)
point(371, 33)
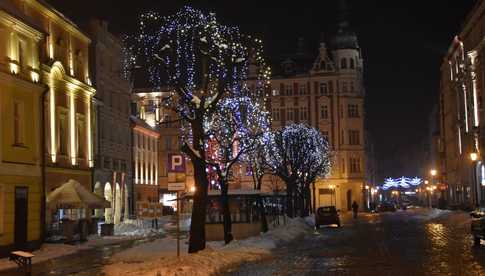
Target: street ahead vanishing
point(412, 242)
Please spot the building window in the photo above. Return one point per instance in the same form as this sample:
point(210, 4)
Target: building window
point(343, 165)
point(353, 111)
point(282, 101)
point(304, 113)
point(343, 63)
point(345, 87)
point(63, 133)
point(354, 137)
point(302, 88)
point(295, 101)
point(289, 90)
point(168, 143)
point(323, 88)
point(352, 88)
point(290, 114)
point(352, 63)
point(276, 92)
point(2, 209)
point(276, 114)
point(354, 165)
point(80, 138)
point(18, 123)
point(324, 112)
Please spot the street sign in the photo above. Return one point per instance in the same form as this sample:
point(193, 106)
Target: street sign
point(176, 163)
point(176, 186)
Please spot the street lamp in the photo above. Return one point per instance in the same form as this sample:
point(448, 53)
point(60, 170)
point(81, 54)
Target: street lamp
point(474, 158)
point(433, 172)
point(332, 188)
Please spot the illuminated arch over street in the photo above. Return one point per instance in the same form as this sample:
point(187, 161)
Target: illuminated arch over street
point(402, 182)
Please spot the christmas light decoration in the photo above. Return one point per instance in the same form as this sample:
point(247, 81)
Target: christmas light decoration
point(402, 182)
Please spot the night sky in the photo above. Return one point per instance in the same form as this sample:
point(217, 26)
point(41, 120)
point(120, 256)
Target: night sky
point(403, 43)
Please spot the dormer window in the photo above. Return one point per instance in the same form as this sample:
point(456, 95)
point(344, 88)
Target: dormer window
point(323, 65)
point(343, 63)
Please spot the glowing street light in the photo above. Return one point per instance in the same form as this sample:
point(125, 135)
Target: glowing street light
point(433, 172)
point(473, 156)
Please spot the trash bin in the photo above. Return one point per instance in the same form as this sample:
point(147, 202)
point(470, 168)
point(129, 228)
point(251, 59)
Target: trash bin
point(107, 229)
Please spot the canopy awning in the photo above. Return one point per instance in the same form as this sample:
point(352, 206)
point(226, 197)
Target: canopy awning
point(73, 195)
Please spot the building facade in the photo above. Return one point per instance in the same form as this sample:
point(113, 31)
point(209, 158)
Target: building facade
point(326, 91)
point(145, 163)
point(51, 139)
point(112, 131)
point(461, 114)
point(20, 126)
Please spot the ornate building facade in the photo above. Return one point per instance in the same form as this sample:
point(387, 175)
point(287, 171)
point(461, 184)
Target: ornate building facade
point(20, 126)
point(40, 45)
point(461, 168)
point(326, 91)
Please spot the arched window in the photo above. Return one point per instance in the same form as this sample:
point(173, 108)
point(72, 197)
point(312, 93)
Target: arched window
point(352, 63)
point(343, 63)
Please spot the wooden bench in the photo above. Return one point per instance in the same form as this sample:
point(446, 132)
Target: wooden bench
point(23, 260)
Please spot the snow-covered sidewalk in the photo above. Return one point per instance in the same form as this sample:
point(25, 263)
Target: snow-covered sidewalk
point(158, 257)
point(130, 230)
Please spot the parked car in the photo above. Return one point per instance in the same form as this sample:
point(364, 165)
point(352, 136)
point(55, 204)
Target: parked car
point(478, 225)
point(327, 215)
point(386, 207)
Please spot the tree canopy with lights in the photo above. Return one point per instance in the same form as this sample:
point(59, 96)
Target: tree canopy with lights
point(204, 66)
point(298, 154)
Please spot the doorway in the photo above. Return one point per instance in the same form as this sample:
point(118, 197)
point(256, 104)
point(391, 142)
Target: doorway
point(349, 200)
point(21, 213)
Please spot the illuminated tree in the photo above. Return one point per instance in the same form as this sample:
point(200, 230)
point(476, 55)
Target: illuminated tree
point(298, 154)
point(203, 64)
point(235, 127)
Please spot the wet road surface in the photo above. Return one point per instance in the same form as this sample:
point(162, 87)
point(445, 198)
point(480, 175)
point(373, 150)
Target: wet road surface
point(413, 242)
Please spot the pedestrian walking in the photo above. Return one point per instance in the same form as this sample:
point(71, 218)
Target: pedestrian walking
point(355, 209)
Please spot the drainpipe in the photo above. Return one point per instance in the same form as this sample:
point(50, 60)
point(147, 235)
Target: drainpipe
point(43, 165)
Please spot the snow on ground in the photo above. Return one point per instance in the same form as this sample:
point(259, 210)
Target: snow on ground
point(158, 257)
point(137, 228)
point(128, 230)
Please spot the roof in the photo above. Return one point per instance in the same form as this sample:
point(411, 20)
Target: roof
point(141, 123)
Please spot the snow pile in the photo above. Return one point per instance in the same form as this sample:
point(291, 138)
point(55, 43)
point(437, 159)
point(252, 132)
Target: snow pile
point(184, 225)
point(158, 257)
point(136, 228)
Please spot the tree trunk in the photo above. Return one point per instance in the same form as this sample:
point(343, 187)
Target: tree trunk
point(199, 209)
point(289, 201)
point(226, 214)
point(264, 222)
point(197, 225)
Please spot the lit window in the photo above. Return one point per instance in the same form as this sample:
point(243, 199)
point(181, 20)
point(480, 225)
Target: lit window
point(18, 114)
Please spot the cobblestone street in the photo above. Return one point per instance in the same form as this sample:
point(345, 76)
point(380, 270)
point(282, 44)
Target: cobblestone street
point(413, 242)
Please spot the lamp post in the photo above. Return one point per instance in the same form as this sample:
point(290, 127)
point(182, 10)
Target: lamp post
point(433, 173)
point(474, 158)
point(332, 189)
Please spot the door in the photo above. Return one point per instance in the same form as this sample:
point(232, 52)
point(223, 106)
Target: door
point(21, 200)
point(349, 200)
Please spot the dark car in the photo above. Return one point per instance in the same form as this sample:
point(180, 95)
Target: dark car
point(327, 215)
point(478, 225)
point(386, 207)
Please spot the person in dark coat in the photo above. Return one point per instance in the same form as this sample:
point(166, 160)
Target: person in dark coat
point(355, 208)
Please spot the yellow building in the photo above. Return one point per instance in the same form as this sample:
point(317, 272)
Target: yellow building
point(20, 120)
point(39, 45)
